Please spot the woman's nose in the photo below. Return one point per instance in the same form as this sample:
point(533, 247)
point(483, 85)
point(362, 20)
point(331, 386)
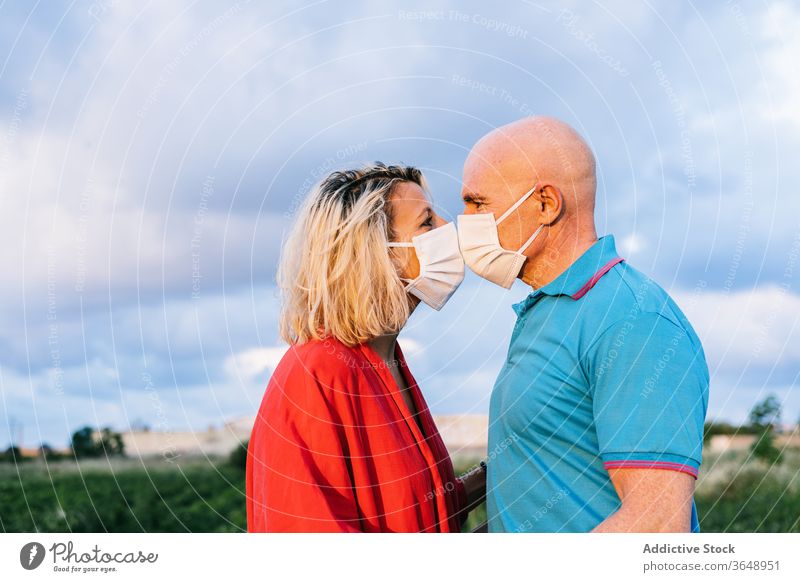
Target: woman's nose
point(438, 220)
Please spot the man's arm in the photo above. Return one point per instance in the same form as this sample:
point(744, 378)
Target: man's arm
point(649, 403)
point(653, 500)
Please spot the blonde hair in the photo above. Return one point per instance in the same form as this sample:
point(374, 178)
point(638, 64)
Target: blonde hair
point(336, 276)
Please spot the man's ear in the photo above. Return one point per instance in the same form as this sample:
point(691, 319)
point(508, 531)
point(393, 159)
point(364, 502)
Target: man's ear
point(551, 202)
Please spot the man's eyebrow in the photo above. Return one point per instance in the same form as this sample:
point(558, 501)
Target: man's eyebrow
point(472, 197)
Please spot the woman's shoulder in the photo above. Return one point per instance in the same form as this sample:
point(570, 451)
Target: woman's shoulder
point(325, 359)
point(315, 375)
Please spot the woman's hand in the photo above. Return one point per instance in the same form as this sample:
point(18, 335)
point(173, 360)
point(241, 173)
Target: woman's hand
point(475, 486)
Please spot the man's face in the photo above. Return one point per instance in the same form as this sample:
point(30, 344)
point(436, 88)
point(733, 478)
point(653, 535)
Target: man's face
point(487, 188)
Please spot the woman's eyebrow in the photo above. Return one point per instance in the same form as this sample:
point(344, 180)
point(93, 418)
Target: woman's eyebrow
point(425, 213)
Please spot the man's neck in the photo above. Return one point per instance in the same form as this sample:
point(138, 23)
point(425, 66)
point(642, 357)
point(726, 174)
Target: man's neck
point(558, 255)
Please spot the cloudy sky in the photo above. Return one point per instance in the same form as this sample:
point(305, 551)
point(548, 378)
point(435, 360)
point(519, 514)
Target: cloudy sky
point(152, 156)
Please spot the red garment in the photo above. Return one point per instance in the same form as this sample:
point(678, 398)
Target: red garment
point(335, 448)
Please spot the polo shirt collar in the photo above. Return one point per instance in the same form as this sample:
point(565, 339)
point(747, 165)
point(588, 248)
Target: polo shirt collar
point(581, 276)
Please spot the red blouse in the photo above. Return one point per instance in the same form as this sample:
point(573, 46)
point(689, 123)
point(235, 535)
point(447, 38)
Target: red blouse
point(335, 448)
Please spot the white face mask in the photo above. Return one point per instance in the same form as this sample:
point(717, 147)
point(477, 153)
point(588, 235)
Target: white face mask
point(480, 245)
point(441, 267)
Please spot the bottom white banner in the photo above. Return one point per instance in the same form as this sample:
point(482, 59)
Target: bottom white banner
point(417, 557)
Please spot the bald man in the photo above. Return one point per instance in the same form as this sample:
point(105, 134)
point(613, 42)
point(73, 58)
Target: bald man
point(596, 419)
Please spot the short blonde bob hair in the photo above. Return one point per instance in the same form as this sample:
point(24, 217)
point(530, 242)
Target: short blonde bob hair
point(336, 276)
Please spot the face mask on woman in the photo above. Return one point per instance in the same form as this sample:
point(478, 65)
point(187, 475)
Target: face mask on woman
point(441, 267)
point(480, 245)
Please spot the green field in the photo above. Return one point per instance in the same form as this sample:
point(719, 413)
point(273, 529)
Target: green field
point(124, 496)
point(733, 494)
point(738, 494)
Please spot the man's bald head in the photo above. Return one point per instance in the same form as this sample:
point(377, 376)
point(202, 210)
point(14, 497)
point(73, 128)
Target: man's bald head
point(536, 149)
point(507, 163)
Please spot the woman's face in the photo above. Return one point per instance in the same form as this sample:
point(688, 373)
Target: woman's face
point(411, 214)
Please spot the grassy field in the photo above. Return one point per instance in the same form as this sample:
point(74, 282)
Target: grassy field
point(738, 494)
point(124, 496)
point(733, 494)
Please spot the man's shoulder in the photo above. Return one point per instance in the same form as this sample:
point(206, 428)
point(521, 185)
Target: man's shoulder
point(636, 320)
point(627, 294)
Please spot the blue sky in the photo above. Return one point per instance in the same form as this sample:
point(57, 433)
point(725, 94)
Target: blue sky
point(153, 156)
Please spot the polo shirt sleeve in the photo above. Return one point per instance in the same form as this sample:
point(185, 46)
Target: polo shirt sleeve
point(650, 386)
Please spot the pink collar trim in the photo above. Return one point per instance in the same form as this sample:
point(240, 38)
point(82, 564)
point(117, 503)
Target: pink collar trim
point(596, 277)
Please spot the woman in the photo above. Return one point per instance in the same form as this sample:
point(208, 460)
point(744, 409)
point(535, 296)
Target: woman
point(344, 440)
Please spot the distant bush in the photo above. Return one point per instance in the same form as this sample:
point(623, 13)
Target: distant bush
point(12, 455)
point(238, 457)
point(764, 418)
point(87, 442)
point(49, 453)
point(766, 414)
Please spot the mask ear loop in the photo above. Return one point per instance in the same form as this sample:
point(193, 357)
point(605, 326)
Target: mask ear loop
point(530, 240)
point(517, 204)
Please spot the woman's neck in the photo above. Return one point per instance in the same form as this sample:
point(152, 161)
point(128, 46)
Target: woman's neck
point(384, 346)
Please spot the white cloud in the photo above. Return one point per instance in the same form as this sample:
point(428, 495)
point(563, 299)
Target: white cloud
point(779, 27)
point(632, 244)
point(255, 363)
point(69, 223)
point(410, 346)
point(750, 328)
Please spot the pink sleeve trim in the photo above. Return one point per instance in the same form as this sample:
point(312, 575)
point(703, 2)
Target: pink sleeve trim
point(642, 464)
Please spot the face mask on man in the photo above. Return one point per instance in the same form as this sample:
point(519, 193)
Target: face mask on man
point(480, 245)
point(441, 266)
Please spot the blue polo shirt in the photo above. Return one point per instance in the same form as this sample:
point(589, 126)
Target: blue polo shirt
point(603, 371)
